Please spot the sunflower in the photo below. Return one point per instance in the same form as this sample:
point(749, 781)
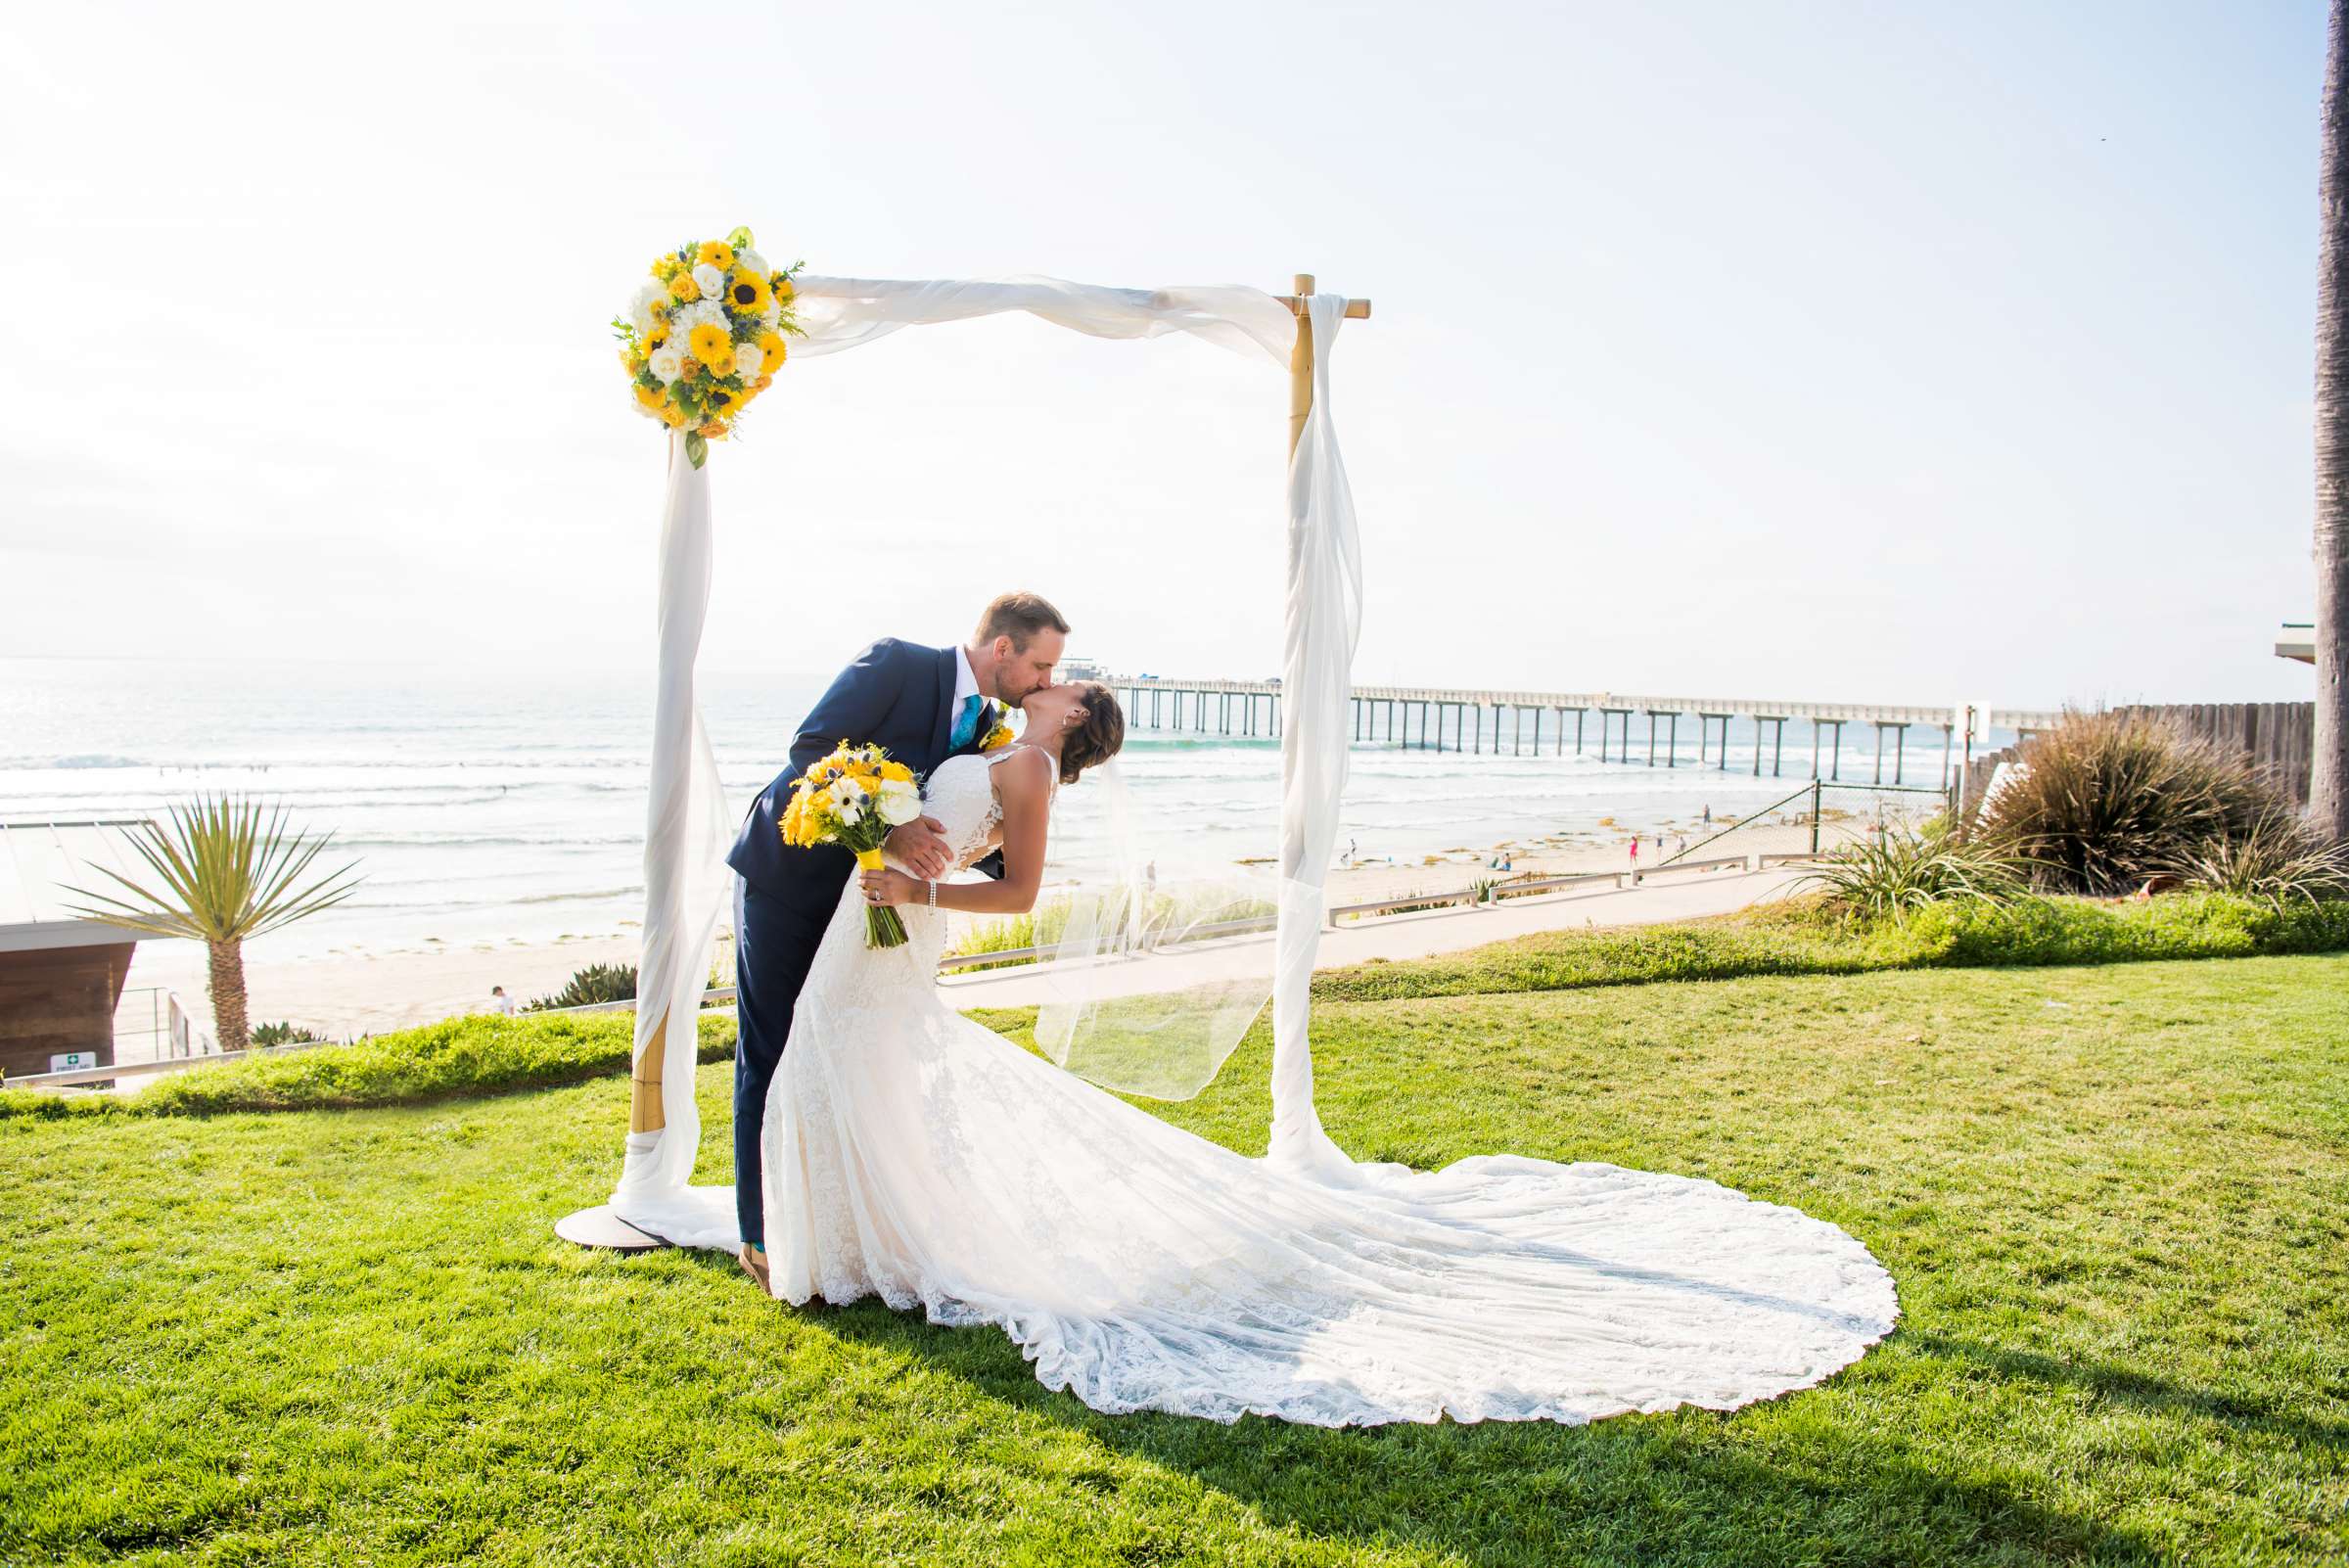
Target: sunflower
point(683, 288)
point(780, 283)
point(652, 396)
point(746, 293)
point(656, 336)
point(717, 254)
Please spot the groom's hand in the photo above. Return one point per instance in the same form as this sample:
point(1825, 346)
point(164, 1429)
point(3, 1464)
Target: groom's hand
point(921, 846)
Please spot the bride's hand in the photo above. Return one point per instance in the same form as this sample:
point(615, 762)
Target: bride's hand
point(889, 885)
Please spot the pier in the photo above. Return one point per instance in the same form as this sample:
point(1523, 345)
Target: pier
point(1512, 722)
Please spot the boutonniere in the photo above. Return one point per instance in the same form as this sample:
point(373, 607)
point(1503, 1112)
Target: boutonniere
point(997, 738)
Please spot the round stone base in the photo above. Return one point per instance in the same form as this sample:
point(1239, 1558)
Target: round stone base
point(599, 1226)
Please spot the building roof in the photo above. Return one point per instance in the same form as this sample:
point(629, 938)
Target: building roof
point(42, 862)
point(2297, 639)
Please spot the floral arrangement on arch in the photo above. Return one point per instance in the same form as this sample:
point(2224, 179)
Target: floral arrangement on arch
point(704, 336)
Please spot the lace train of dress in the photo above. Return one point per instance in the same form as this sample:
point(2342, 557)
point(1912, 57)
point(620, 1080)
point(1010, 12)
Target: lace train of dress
point(917, 1156)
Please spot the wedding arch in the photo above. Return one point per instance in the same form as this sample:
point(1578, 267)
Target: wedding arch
point(687, 826)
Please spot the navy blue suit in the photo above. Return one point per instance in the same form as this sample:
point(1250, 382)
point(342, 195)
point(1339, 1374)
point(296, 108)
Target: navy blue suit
point(897, 695)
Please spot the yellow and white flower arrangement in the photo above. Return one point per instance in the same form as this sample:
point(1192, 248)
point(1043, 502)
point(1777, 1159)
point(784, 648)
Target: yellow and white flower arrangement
point(705, 335)
point(997, 738)
point(852, 797)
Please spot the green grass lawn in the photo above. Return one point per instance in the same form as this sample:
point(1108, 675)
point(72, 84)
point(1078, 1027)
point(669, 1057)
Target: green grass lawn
point(2115, 1200)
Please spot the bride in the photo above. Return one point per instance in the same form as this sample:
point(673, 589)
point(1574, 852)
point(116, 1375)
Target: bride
point(917, 1156)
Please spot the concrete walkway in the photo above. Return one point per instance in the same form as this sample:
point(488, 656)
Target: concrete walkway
point(1664, 895)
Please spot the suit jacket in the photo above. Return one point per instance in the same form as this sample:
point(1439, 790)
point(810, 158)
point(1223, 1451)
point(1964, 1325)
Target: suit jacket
point(897, 695)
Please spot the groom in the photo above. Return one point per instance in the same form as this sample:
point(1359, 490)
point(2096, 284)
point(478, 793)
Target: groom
point(925, 705)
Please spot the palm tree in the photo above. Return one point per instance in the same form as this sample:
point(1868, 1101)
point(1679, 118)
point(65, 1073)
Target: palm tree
point(228, 868)
point(2329, 787)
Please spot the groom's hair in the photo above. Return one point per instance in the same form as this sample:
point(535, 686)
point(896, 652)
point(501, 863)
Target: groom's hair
point(1019, 616)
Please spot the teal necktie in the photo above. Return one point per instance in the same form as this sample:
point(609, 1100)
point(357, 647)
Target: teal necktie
point(966, 722)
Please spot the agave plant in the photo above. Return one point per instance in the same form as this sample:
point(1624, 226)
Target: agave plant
point(597, 983)
point(228, 868)
point(1888, 875)
point(2276, 860)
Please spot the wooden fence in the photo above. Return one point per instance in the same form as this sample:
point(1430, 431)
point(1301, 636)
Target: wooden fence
point(2280, 739)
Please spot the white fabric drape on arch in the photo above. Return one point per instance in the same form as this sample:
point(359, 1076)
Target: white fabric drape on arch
point(687, 823)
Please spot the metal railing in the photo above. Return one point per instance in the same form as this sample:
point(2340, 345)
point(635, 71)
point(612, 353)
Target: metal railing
point(1828, 814)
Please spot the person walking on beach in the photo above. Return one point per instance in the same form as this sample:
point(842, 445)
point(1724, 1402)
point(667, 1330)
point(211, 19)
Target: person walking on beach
point(499, 1002)
point(1635, 851)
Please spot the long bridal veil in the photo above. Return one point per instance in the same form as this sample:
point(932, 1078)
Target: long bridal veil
point(1153, 988)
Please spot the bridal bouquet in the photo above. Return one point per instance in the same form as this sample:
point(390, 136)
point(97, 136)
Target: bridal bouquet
point(704, 335)
point(852, 797)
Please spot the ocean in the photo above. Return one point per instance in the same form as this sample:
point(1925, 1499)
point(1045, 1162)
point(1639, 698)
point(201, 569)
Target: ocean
point(483, 806)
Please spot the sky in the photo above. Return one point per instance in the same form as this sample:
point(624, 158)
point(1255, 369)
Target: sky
point(1915, 354)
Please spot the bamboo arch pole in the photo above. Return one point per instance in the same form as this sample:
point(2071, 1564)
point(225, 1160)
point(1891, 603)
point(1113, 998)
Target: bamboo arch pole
point(1301, 357)
point(645, 1114)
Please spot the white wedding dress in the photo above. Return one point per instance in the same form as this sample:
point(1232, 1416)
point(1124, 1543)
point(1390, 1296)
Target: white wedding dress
point(917, 1156)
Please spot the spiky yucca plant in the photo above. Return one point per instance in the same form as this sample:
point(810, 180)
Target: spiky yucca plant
point(1899, 871)
point(2106, 800)
point(229, 868)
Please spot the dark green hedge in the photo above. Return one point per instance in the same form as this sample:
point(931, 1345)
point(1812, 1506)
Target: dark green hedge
point(455, 1057)
point(1802, 939)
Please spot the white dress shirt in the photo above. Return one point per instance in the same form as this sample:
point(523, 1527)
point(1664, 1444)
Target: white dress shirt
point(966, 684)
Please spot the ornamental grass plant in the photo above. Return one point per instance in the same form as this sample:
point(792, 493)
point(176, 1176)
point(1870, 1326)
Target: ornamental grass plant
point(1893, 874)
point(2106, 802)
point(2276, 861)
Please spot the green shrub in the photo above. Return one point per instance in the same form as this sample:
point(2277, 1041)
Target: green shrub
point(1813, 939)
point(481, 1054)
point(597, 983)
point(2106, 801)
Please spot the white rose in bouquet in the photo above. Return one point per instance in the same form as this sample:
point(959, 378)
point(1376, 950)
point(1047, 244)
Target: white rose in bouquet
point(710, 281)
point(900, 803)
point(641, 308)
point(666, 363)
point(749, 261)
point(748, 358)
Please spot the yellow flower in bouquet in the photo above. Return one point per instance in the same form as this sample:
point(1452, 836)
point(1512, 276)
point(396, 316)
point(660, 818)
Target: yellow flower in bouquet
point(703, 335)
point(852, 797)
point(997, 738)
point(746, 291)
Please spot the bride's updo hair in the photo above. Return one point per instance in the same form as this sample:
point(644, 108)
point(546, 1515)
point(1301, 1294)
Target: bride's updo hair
point(1098, 738)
